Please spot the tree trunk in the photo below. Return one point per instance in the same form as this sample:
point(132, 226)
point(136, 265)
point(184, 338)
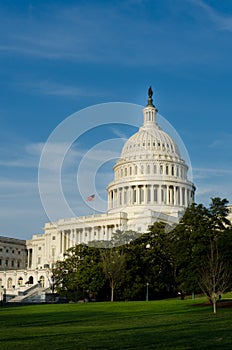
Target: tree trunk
point(112, 293)
point(214, 304)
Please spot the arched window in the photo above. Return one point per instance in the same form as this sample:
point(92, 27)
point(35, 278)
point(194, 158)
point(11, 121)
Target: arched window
point(42, 281)
point(9, 283)
point(20, 281)
point(31, 280)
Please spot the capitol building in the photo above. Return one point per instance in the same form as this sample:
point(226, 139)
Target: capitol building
point(150, 184)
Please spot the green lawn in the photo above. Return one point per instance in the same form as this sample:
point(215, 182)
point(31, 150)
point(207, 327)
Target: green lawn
point(166, 324)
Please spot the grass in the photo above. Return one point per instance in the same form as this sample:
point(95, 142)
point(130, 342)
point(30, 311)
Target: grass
point(166, 324)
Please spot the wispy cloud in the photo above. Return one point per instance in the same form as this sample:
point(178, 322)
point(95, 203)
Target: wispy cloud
point(21, 155)
point(97, 33)
point(223, 141)
point(212, 182)
point(222, 21)
point(50, 88)
point(213, 171)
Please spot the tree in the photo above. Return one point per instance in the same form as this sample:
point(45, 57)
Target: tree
point(191, 240)
point(80, 274)
point(148, 261)
point(218, 213)
point(215, 276)
point(188, 243)
point(113, 264)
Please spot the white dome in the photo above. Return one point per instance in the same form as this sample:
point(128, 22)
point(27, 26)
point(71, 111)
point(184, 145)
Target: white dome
point(150, 140)
point(150, 174)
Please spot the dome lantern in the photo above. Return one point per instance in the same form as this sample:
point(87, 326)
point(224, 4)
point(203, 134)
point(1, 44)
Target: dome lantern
point(150, 110)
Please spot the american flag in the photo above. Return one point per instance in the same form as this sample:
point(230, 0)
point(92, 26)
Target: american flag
point(90, 198)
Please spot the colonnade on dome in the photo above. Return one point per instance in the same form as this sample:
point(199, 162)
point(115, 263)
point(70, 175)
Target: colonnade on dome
point(154, 195)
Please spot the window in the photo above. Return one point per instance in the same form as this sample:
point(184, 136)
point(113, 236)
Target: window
point(155, 195)
point(0, 262)
point(12, 263)
point(13, 251)
point(120, 197)
point(53, 238)
point(39, 248)
point(39, 260)
point(6, 262)
point(19, 252)
point(166, 169)
point(134, 195)
point(148, 194)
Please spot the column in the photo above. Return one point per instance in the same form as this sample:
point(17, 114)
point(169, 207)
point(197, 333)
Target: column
point(60, 234)
point(186, 197)
point(160, 194)
point(115, 198)
point(145, 193)
point(175, 195)
point(112, 199)
point(183, 196)
point(168, 195)
point(156, 194)
point(131, 195)
point(138, 195)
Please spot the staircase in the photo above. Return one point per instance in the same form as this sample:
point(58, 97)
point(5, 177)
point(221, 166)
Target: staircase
point(34, 294)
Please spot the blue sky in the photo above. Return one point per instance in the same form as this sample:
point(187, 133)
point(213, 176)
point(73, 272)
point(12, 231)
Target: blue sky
point(58, 57)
